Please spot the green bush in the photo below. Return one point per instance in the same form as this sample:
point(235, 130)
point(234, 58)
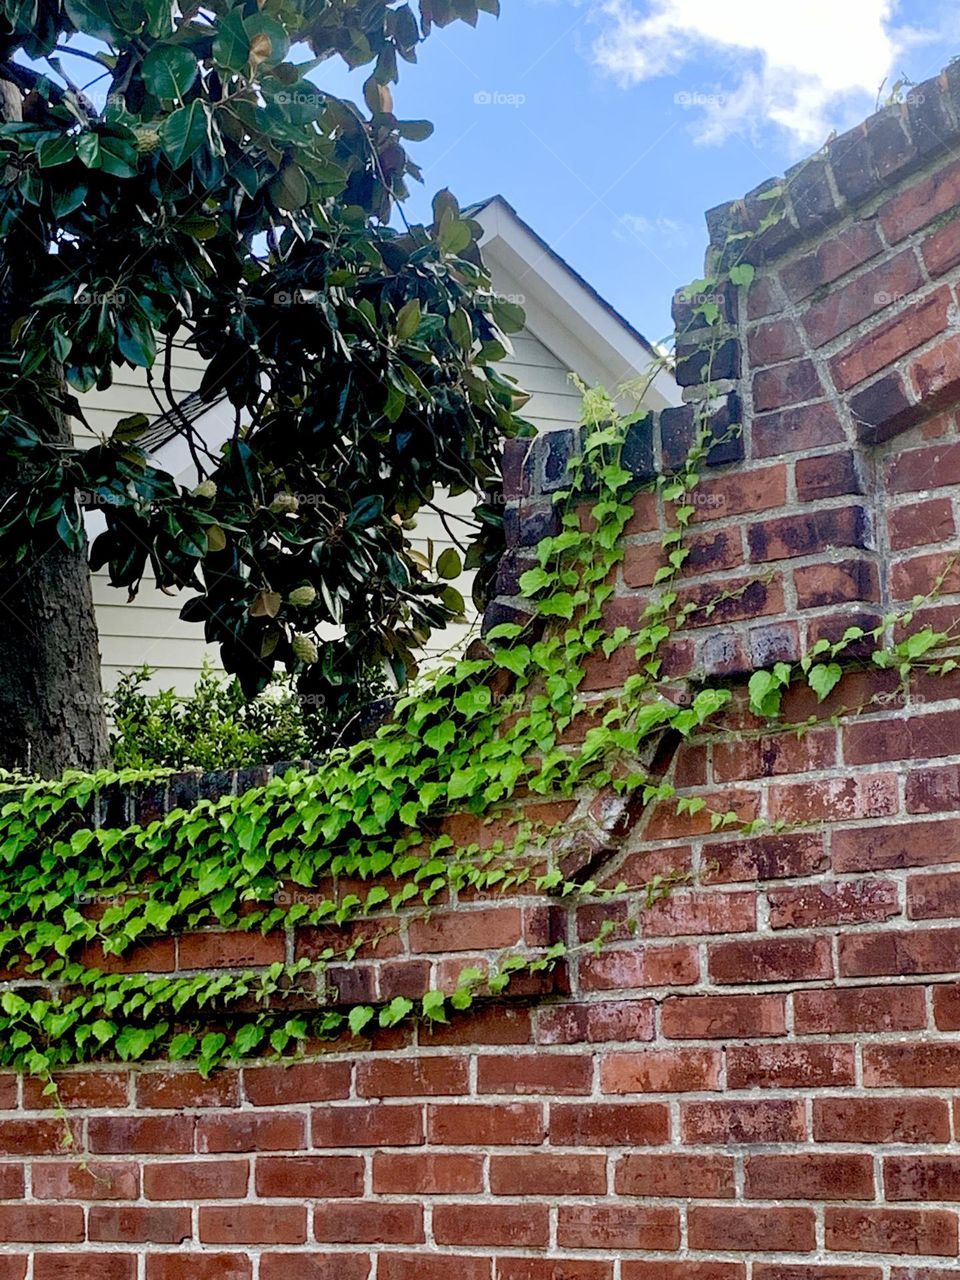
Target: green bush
point(217, 727)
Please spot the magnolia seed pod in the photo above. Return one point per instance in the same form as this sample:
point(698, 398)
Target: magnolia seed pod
point(304, 648)
point(147, 139)
point(302, 597)
point(206, 489)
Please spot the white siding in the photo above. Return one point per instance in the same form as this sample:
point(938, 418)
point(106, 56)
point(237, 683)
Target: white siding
point(149, 629)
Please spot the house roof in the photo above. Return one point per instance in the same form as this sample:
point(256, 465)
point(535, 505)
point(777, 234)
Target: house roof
point(564, 311)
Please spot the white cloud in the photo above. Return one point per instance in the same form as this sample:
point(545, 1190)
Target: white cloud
point(806, 66)
point(664, 231)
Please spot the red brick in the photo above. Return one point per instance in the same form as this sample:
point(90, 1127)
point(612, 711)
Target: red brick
point(548, 1175)
point(246, 1131)
point(41, 1223)
point(934, 790)
point(773, 754)
point(889, 342)
point(427, 1174)
point(160, 1135)
point(674, 1176)
point(773, 342)
point(909, 1231)
point(795, 430)
point(899, 953)
point(859, 1009)
point(922, 1273)
point(808, 532)
point(833, 903)
point(743, 1230)
point(588, 1226)
point(199, 1266)
point(722, 497)
point(723, 1017)
point(85, 1089)
point(158, 956)
point(773, 1120)
point(941, 251)
point(196, 1180)
point(829, 475)
point(481, 929)
point(809, 1177)
point(872, 795)
point(11, 1181)
point(497, 1024)
point(922, 1177)
point(666, 1270)
point(609, 1124)
point(700, 913)
point(789, 1066)
point(315, 1266)
point(864, 1120)
point(233, 950)
point(849, 304)
point(310, 1177)
point(298, 1082)
point(540, 1073)
point(80, 1266)
point(495, 1124)
point(764, 858)
point(917, 523)
point(597, 1022)
point(707, 553)
point(416, 1266)
point(882, 848)
point(33, 1137)
point(661, 1071)
point(365, 1126)
point(552, 1269)
point(936, 374)
point(412, 1077)
point(946, 1007)
point(12, 1268)
point(254, 1224)
point(520, 1225)
point(670, 966)
point(94, 1180)
point(777, 1271)
point(834, 257)
point(934, 466)
point(935, 897)
point(173, 1090)
point(848, 581)
point(134, 1224)
point(914, 1066)
point(786, 384)
point(374, 1223)
point(771, 960)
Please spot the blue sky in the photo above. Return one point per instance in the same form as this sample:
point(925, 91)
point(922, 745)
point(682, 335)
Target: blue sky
point(611, 125)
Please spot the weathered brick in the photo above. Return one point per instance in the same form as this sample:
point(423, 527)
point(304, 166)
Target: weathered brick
point(539, 1073)
point(819, 1176)
point(914, 844)
point(786, 384)
point(412, 1077)
point(771, 960)
point(365, 1126)
point(617, 1227)
point(809, 532)
point(790, 1066)
point(501, 1124)
point(676, 1176)
point(850, 304)
point(898, 952)
point(253, 1224)
point(311, 1177)
point(199, 1266)
point(911, 1066)
point(773, 1120)
point(427, 1174)
point(846, 1010)
point(660, 1071)
point(548, 1175)
point(867, 1120)
point(343, 1222)
point(794, 430)
point(917, 523)
point(750, 1230)
point(135, 1224)
point(921, 203)
point(723, 1017)
point(890, 342)
point(516, 1226)
point(608, 1124)
point(905, 1231)
point(833, 903)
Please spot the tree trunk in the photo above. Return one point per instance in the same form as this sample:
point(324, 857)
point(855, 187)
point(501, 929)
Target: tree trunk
point(51, 697)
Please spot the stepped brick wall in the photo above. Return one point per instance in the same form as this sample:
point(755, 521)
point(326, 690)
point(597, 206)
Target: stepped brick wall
point(764, 1082)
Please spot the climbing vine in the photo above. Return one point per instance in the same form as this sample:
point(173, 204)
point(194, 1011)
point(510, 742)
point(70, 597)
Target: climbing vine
point(477, 738)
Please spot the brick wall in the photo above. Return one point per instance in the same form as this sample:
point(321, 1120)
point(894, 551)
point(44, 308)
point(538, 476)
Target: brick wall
point(764, 1083)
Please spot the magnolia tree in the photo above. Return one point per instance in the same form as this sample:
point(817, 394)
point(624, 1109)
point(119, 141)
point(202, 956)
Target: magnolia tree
point(209, 193)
